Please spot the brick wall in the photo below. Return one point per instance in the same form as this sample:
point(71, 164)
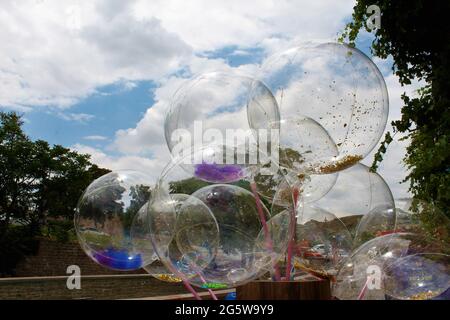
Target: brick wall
point(92, 287)
point(53, 258)
point(43, 276)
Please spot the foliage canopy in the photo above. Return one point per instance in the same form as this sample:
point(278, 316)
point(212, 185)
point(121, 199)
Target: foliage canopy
point(39, 189)
point(416, 34)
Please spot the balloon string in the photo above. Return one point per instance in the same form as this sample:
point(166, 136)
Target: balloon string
point(211, 293)
point(188, 286)
point(363, 291)
point(265, 228)
point(186, 283)
point(202, 279)
point(292, 232)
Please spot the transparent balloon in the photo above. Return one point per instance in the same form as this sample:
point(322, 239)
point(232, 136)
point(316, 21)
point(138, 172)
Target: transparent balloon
point(218, 108)
point(336, 85)
point(322, 241)
point(357, 193)
point(110, 220)
point(165, 218)
point(239, 234)
point(420, 276)
point(369, 273)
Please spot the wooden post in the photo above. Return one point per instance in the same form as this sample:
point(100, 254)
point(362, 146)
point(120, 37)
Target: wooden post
point(285, 290)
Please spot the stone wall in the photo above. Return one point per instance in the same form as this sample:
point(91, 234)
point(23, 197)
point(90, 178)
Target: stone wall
point(53, 258)
point(92, 287)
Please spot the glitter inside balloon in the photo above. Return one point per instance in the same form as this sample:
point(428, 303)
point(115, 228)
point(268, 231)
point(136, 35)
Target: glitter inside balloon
point(305, 148)
point(109, 220)
point(337, 86)
point(159, 271)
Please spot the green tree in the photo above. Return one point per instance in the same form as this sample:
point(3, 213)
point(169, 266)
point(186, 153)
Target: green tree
point(39, 189)
point(140, 195)
point(416, 34)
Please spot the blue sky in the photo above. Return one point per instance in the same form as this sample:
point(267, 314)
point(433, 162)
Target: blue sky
point(112, 107)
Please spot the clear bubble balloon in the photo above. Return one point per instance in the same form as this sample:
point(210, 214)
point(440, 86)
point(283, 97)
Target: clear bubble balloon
point(110, 220)
point(357, 192)
point(322, 241)
point(172, 228)
point(336, 85)
point(305, 146)
point(370, 271)
point(420, 276)
point(163, 230)
point(205, 107)
point(246, 244)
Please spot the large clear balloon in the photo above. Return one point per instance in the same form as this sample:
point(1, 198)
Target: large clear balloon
point(388, 267)
point(110, 220)
point(419, 276)
point(164, 218)
point(163, 213)
point(363, 201)
point(337, 86)
point(245, 248)
point(206, 109)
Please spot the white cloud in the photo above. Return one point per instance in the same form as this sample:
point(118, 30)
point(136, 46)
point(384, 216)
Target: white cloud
point(95, 138)
point(78, 117)
point(151, 166)
point(206, 24)
point(55, 53)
